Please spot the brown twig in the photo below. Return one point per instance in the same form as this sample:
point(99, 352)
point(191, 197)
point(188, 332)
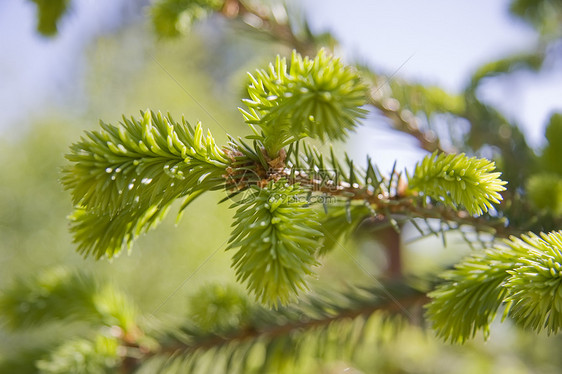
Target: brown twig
point(410, 206)
point(259, 18)
point(405, 121)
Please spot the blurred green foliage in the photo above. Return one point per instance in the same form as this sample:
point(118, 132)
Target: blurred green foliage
point(172, 18)
point(34, 207)
point(544, 15)
point(545, 192)
point(552, 153)
point(544, 188)
point(81, 356)
point(49, 14)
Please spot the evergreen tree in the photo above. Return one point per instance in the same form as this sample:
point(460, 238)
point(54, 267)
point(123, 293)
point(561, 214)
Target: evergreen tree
point(292, 207)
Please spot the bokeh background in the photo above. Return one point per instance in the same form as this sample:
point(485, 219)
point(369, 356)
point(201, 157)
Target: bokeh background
point(107, 62)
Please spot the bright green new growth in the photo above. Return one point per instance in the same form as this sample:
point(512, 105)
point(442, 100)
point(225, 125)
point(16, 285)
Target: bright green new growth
point(142, 162)
point(471, 295)
point(101, 234)
point(535, 284)
point(277, 236)
point(458, 180)
point(320, 98)
point(526, 275)
point(124, 178)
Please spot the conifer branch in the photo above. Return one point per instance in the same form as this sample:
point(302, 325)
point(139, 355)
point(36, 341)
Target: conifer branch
point(174, 159)
point(295, 203)
point(393, 196)
point(525, 275)
point(305, 326)
point(124, 178)
point(224, 327)
point(349, 194)
point(458, 180)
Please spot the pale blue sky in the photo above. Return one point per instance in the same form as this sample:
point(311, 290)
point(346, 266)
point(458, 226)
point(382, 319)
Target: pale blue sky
point(446, 39)
point(36, 72)
point(443, 40)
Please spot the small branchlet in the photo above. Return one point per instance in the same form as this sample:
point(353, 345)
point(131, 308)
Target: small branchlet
point(141, 162)
point(525, 275)
point(458, 181)
point(277, 236)
point(124, 178)
point(319, 98)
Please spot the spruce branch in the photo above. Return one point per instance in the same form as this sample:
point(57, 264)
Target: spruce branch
point(224, 327)
point(141, 162)
point(458, 180)
point(368, 192)
point(344, 195)
point(535, 284)
point(124, 178)
point(525, 274)
point(471, 295)
point(319, 326)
